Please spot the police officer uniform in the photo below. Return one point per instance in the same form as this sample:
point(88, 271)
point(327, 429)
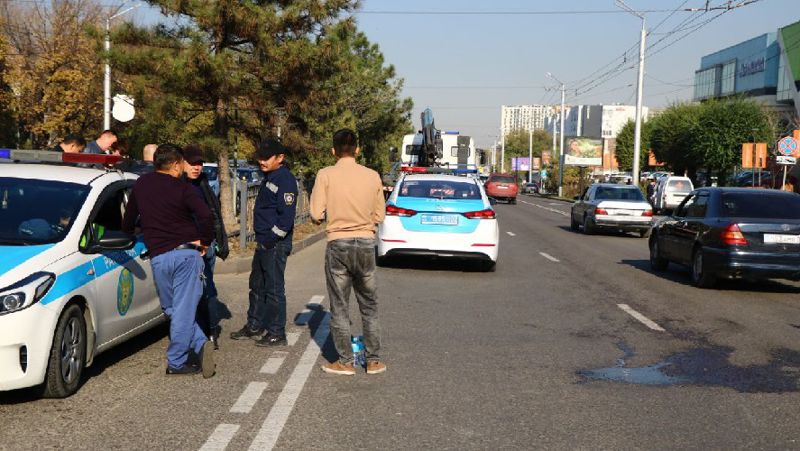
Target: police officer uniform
point(273, 222)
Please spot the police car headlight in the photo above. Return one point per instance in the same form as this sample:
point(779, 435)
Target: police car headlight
point(26, 292)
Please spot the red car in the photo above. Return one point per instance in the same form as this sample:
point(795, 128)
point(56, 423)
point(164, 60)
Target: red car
point(502, 187)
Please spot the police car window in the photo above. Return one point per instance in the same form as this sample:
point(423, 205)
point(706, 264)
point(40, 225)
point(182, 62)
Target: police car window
point(38, 211)
point(440, 189)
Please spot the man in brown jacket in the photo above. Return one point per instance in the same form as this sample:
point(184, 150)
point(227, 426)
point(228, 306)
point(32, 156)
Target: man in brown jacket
point(350, 197)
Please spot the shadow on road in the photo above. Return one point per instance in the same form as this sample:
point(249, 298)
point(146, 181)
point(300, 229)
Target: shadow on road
point(434, 264)
point(681, 275)
point(617, 233)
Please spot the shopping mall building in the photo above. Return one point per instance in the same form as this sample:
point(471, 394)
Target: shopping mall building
point(766, 68)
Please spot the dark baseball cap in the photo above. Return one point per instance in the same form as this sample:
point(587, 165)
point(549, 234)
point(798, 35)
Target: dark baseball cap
point(193, 155)
point(270, 147)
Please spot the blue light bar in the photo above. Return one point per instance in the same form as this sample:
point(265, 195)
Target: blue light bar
point(5, 153)
point(465, 171)
point(451, 132)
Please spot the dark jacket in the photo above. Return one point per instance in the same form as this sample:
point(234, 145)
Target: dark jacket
point(273, 215)
point(212, 201)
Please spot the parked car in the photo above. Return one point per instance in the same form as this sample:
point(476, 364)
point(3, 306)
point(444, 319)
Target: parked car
point(612, 207)
point(731, 233)
point(212, 173)
point(530, 188)
point(502, 187)
point(670, 192)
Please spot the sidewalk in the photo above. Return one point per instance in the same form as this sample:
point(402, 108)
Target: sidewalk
point(237, 264)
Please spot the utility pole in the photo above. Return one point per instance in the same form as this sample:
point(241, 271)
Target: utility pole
point(637, 134)
point(502, 150)
point(107, 68)
point(561, 150)
point(530, 155)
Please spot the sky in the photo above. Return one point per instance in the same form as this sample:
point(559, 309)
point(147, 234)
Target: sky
point(465, 66)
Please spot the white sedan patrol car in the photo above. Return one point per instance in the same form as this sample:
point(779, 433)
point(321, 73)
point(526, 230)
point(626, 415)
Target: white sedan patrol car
point(72, 285)
point(439, 215)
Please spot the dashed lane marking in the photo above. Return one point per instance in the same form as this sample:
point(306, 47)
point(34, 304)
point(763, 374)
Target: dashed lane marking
point(641, 318)
point(274, 362)
point(511, 234)
point(549, 257)
point(292, 337)
point(273, 425)
point(249, 397)
point(562, 213)
point(220, 438)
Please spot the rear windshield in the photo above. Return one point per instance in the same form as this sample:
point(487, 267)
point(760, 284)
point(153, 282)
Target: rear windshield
point(621, 193)
point(679, 186)
point(440, 189)
point(501, 179)
point(760, 205)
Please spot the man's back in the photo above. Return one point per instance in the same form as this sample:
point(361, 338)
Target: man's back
point(351, 195)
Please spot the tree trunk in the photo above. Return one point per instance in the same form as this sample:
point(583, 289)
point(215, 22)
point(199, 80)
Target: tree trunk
point(225, 192)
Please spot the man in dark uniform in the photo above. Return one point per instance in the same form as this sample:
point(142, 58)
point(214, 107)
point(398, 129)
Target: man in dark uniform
point(210, 311)
point(177, 227)
point(71, 144)
point(273, 222)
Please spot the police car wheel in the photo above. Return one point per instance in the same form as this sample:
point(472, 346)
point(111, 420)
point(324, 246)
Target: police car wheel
point(67, 356)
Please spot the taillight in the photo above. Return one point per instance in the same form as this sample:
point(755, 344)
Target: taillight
point(600, 211)
point(392, 210)
point(732, 236)
point(482, 214)
point(647, 213)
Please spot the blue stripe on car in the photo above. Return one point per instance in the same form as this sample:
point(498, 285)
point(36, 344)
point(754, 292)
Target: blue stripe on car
point(14, 256)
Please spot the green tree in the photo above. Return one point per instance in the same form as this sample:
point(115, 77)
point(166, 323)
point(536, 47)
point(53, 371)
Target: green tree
point(624, 149)
point(672, 136)
point(517, 144)
point(8, 124)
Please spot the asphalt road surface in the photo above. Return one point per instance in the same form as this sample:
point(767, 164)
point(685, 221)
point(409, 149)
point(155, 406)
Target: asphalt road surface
point(573, 343)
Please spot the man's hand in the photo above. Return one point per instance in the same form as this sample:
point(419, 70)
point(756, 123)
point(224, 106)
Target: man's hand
point(200, 245)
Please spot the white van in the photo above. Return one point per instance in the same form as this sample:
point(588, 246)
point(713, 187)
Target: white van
point(670, 192)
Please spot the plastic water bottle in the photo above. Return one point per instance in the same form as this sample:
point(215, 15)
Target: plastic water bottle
point(357, 343)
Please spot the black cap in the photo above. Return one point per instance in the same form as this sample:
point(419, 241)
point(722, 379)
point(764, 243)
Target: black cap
point(270, 147)
point(193, 155)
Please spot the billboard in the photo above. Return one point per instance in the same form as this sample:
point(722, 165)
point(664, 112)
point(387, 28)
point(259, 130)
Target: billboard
point(520, 164)
point(583, 152)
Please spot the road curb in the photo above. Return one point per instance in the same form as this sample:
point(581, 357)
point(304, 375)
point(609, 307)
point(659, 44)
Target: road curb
point(242, 264)
point(561, 199)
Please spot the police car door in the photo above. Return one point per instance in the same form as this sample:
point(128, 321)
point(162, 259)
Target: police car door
point(126, 301)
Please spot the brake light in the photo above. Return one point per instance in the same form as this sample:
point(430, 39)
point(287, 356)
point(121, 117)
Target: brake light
point(600, 211)
point(482, 214)
point(413, 169)
point(648, 213)
point(392, 210)
point(732, 236)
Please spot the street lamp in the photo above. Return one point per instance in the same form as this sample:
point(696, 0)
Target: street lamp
point(637, 134)
point(561, 150)
point(107, 71)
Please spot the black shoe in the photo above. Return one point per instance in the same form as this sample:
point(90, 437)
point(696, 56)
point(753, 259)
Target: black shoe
point(272, 340)
point(246, 332)
point(184, 370)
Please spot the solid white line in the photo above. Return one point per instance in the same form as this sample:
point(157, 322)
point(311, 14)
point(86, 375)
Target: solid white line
point(563, 213)
point(291, 337)
point(549, 257)
point(220, 438)
point(274, 362)
point(273, 425)
point(643, 319)
point(249, 397)
point(525, 202)
point(511, 234)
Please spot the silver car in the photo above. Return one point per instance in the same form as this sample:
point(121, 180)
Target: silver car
point(611, 207)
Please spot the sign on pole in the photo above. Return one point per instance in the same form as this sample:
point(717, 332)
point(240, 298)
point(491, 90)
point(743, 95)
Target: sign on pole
point(787, 146)
point(782, 159)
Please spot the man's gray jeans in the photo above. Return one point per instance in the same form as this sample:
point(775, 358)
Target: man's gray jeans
point(350, 264)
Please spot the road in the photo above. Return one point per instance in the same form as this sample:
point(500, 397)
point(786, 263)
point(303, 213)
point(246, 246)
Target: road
point(545, 353)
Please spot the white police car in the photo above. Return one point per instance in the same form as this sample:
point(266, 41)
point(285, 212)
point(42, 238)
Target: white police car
point(72, 285)
point(433, 213)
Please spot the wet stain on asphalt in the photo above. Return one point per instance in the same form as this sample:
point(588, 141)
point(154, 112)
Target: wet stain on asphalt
point(706, 366)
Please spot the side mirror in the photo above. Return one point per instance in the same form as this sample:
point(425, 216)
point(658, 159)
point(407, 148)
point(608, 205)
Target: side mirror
point(492, 201)
point(113, 240)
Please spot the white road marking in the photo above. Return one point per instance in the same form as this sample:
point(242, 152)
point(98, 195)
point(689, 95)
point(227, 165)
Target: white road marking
point(555, 203)
point(292, 337)
point(549, 257)
point(563, 213)
point(317, 299)
point(511, 234)
point(220, 438)
point(274, 362)
point(273, 425)
point(525, 202)
point(643, 319)
point(249, 397)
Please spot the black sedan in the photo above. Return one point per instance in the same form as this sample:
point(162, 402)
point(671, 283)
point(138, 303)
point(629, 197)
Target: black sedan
point(731, 233)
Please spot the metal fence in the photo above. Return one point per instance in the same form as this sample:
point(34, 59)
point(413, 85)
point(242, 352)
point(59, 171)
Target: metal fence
point(246, 197)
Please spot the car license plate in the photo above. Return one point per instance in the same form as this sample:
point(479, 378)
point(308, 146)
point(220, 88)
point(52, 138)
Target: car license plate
point(771, 238)
point(621, 212)
point(428, 219)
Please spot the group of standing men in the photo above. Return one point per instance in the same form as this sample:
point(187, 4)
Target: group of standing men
point(183, 231)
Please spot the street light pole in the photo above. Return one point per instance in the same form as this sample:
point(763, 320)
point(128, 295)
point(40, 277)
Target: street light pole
point(637, 134)
point(561, 150)
point(530, 155)
point(502, 150)
point(107, 69)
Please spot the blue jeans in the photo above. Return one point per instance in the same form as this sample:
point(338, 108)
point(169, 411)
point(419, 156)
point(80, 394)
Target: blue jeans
point(267, 308)
point(350, 265)
point(178, 278)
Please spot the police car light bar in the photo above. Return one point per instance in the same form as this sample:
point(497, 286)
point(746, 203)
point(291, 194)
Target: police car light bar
point(49, 156)
point(437, 170)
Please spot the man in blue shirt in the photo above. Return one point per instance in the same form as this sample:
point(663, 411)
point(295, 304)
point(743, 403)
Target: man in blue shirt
point(273, 222)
